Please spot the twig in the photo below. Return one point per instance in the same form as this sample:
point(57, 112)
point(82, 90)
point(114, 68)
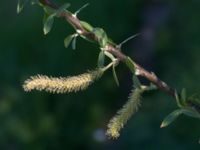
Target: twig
point(75, 22)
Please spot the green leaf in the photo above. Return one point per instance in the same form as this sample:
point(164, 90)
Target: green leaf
point(20, 5)
point(68, 40)
point(178, 99)
point(174, 115)
point(45, 17)
point(171, 117)
point(101, 36)
point(86, 26)
point(49, 16)
point(109, 55)
point(136, 82)
point(48, 10)
point(111, 42)
point(62, 8)
point(74, 43)
point(191, 112)
point(104, 40)
point(195, 98)
point(130, 64)
point(115, 75)
point(48, 24)
point(183, 95)
point(80, 9)
point(128, 39)
point(101, 59)
point(150, 87)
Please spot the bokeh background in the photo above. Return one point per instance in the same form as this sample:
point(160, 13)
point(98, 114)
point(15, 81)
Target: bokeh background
point(169, 45)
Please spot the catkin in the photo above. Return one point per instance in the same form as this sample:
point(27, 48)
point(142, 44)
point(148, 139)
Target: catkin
point(62, 85)
point(124, 114)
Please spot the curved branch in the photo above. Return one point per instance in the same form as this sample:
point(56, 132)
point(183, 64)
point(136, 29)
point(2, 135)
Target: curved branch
point(75, 22)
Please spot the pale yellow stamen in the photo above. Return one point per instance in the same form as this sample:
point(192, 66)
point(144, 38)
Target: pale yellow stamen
point(62, 85)
point(124, 114)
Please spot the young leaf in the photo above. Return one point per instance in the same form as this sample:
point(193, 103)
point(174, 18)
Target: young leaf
point(136, 82)
point(20, 5)
point(181, 101)
point(62, 8)
point(151, 87)
point(104, 40)
point(51, 13)
point(101, 35)
point(195, 98)
point(86, 26)
point(178, 99)
point(68, 40)
point(130, 64)
point(111, 42)
point(115, 75)
point(101, 59)
point(74, 43)
point(48, 10)
point(48, 24)
point(109, 55)
point(171, 117)
point(128, 39)
point(191, 112)
point(80, 9)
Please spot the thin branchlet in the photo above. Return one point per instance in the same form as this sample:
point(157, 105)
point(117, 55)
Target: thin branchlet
point(62, 85)
point(124, 114)
point(76, 23)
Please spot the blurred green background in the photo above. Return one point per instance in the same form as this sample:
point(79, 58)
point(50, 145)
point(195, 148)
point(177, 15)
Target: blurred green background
point(169, 45)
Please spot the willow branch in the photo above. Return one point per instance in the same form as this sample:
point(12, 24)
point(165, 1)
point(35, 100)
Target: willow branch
point(150, 76)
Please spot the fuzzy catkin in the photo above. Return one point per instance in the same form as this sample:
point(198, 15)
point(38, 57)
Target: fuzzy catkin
point(124, 114)
point(62, 85)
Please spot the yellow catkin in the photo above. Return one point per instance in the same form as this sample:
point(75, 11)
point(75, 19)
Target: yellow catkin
point(62, 85)
point(124, 114)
